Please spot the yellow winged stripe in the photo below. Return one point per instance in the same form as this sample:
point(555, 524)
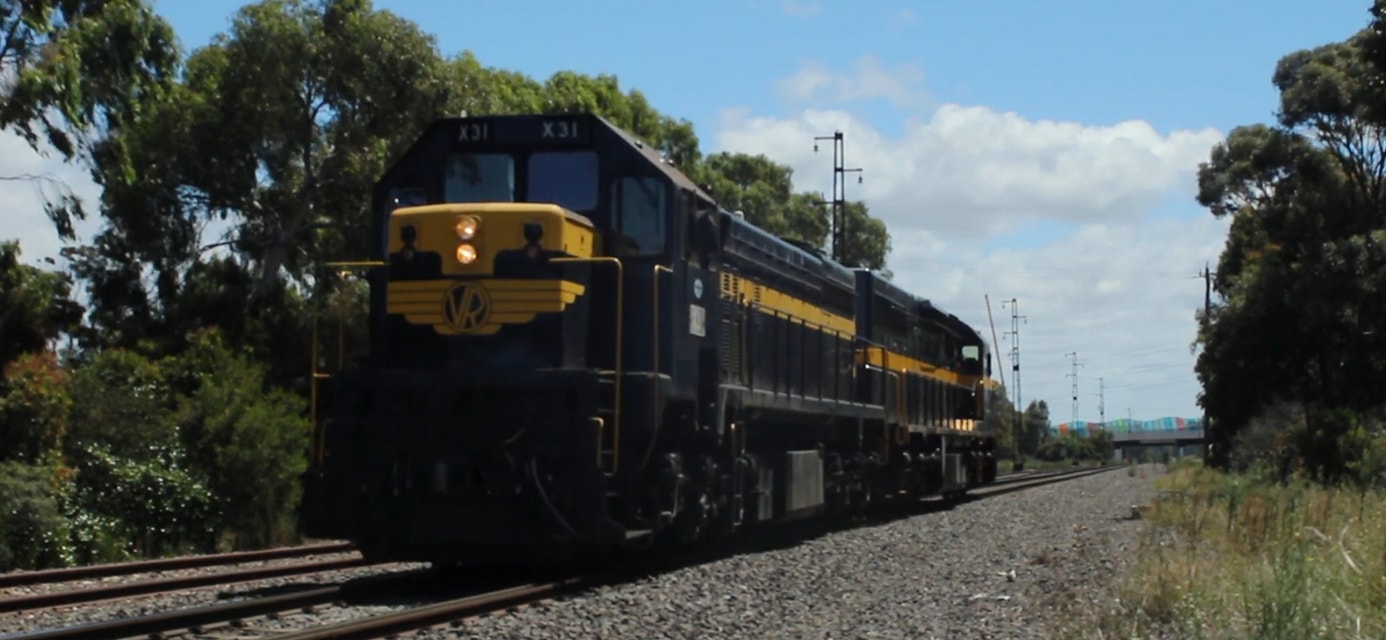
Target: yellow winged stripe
point(489, 303)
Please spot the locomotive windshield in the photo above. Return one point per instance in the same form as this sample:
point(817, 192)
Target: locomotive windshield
point(625, 189)
point(479, 177)
point(565, 178)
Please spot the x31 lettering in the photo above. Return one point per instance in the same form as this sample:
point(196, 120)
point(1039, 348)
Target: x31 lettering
point(560, 129)
point(473, 132)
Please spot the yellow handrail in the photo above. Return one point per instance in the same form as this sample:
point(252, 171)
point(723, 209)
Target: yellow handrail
point(313, 374)
point(620, 313)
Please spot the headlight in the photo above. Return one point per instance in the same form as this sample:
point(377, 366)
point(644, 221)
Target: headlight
point(466, 253)
point(467, 227)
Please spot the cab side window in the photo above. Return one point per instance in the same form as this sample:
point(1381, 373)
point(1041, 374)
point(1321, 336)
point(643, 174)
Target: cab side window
point(640, 212)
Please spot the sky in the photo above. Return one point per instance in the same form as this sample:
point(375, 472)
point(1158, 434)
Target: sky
point(1033, 150)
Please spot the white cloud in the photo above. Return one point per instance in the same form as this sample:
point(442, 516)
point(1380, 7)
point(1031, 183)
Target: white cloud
point(22, 201)
point(1116, 283)
point(817, 84)
point(1122, 295)
point(969, 171)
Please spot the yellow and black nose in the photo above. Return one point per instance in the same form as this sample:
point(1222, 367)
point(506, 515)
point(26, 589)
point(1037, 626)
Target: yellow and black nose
point(467, 237)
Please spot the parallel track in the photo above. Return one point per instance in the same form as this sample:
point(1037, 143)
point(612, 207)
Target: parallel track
point(22, 579)
point(1011, 485)
point(195, 617)
point(439, 613)
point(161, 585)
point(420, 617)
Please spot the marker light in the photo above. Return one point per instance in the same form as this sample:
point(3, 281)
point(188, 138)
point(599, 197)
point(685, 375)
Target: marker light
point(467, 227)
point(466, 253)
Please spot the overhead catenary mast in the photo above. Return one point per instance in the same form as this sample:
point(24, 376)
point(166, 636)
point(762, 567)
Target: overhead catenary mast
point(1014, 333)
point(1074, 356)
point(837, 232)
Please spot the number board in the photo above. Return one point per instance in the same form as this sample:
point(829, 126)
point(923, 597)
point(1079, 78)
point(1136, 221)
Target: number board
point(535, 130)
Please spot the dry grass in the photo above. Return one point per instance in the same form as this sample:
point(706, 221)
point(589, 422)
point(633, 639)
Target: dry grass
point(1237, 557)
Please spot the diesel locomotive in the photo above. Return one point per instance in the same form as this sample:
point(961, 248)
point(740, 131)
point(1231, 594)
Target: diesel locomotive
point(573, 347)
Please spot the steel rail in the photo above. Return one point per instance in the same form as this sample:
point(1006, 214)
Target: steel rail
point(195, 618)
point(185, 619)
point(429, 615)
point(160, 585)
point(1038, 481)
point(26, 578)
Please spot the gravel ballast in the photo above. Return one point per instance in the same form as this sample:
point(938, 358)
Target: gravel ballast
point(939, 575)
point(945, 574)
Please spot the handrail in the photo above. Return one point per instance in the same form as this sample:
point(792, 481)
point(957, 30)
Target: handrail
point(655, 307)
point(620, 314)
point(885, 445)
point(313, 374)
point(655, 422)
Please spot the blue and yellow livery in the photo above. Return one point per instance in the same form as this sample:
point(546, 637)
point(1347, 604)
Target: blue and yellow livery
point(573, 346)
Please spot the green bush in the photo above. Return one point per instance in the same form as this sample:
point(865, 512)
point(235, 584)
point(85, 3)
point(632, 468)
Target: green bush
point(121, 403)
point(154, 507)
point(34, 405)
point(176, 453)
point(1096, 447)
point(251, 441)
point(33, 531)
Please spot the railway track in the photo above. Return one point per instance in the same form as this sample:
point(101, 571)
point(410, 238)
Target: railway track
point(454, 611)
point(86, 595)
point(197, 619)
point(28, 578)
point(1019, 482)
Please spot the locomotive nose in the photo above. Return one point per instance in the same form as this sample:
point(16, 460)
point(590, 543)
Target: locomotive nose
point(478, 239)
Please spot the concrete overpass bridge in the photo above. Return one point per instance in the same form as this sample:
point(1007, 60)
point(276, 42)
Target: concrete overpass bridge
point(1184, 434)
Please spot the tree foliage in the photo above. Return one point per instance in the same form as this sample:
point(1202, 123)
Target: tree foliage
point(32, 525)
point(35, 306)
point(33, 408)
point(1301, 277)
point(73, 70)
point(275, 132)
point(177, 421)
point(1033, 429)
point(763, 191)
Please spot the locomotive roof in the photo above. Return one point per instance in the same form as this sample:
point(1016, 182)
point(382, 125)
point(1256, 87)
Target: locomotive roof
point(790, 252)
point(521, 130)
point(950, 322)
point(656, 157)
point(925, 307)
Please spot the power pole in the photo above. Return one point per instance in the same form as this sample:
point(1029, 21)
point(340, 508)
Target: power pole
point(1207, 311)
point(1102, 402)
point(1016, 319)
point(1074, 375)
point(838, 225)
